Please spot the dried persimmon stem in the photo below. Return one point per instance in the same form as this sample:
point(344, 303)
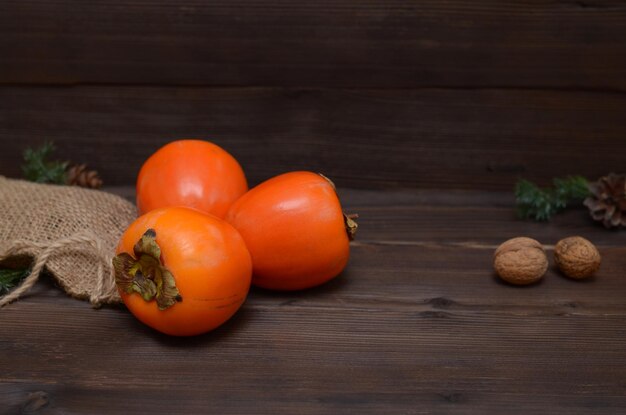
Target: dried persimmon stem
point(145, 275)
point(351, 225)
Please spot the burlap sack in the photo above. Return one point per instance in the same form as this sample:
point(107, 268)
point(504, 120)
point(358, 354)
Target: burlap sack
point(71, 231)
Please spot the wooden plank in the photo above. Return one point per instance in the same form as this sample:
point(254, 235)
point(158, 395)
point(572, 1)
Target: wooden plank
point(484, 227)
point(439, 280)
point(435, 138)
point(378, 43)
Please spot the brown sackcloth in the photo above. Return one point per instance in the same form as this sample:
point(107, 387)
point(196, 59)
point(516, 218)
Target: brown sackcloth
point(71, 231)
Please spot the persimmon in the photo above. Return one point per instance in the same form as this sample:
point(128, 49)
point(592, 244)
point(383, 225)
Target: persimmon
point(182, 272)
point(192, 173)
point(295, 231)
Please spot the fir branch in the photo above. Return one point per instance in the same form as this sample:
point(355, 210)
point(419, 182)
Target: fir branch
point(571, 188)
point(9, 278)
point(542, 203)
point(37, 167)
point(532, 201)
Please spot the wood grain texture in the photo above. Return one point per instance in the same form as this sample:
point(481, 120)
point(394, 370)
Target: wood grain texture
point(377, 43)
point(433, 138)
point(416, 325)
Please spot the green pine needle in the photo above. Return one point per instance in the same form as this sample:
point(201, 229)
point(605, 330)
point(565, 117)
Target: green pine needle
point(542, 203)
point(9, 278)
point(37, 167)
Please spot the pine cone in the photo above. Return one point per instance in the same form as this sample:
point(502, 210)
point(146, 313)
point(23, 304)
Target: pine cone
point(607, 203)
point(78, 175)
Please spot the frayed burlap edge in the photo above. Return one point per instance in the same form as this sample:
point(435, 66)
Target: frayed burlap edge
point(105, 291)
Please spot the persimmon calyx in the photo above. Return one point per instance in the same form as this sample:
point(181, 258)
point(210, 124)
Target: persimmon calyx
point(145, 274)
point(351, 225)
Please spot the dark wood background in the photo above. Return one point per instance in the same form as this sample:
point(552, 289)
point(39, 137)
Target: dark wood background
point(423, 112)
point(375, 94)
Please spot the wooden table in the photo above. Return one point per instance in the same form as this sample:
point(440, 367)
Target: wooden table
point(418, 323)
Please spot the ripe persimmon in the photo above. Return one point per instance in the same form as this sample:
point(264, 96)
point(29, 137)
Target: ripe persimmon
point(191, 173)
point(294, 229)
point(182, 272)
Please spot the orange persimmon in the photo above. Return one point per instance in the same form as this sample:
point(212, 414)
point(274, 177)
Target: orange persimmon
point(182, 272)
point(192, 173)
point(294, 229)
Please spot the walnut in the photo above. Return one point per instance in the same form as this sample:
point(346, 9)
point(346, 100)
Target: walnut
point(576, 257)
point(520, 261)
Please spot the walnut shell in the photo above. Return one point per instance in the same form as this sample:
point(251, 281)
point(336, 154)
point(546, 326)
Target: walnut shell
point(520, 261)
point(576, 257)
